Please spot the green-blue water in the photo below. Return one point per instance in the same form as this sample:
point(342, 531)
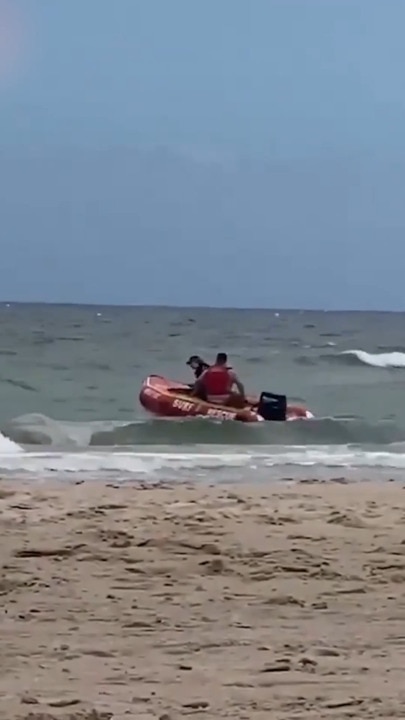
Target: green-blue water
point(70, 376)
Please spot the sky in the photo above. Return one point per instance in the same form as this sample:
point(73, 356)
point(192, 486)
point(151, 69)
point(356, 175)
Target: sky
point(222, 153)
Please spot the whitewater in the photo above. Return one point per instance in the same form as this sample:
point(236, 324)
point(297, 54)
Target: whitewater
point(233, 451)
point(227, 464)
point(381, 360)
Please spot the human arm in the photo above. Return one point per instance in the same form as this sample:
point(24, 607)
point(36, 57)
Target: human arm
point(198, 384)
point(237, 382)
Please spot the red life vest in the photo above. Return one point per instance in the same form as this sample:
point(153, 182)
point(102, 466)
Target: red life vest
point(217, 381)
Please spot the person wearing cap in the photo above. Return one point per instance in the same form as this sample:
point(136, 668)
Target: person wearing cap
point(198, 365)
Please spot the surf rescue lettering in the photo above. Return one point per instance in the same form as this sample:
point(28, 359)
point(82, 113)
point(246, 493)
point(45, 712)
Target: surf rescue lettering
point(221, 414)
point(183, 405)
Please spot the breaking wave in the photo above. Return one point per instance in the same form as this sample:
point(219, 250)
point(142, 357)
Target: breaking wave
point(7, 446)
point(394, 360)
point(380, 360)
point(40, 430)
point(156, 450)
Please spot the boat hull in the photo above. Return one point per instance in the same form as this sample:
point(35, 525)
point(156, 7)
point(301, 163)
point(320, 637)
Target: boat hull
point(164, 398)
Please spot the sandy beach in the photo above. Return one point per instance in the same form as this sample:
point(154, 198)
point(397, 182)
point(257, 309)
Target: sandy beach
point(249, 602)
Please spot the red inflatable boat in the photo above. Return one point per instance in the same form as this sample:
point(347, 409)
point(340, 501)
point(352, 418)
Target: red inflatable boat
point(165, 398)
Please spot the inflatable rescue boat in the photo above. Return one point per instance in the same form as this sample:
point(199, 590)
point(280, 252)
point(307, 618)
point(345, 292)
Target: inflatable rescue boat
point(165, 398)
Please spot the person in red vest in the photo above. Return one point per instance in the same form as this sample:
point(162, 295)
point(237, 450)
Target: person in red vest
point(216, 383)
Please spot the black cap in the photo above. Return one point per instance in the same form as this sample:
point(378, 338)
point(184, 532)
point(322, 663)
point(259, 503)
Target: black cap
point(193, 358)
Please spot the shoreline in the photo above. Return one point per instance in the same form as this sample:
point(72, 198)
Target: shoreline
point(239, 600)
point(270, 476)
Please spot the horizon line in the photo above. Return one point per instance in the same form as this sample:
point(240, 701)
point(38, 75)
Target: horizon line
point(8, 303)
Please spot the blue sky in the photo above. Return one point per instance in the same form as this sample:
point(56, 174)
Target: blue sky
point(222, 153)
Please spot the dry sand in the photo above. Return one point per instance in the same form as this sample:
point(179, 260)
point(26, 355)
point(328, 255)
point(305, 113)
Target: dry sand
point(241, 602)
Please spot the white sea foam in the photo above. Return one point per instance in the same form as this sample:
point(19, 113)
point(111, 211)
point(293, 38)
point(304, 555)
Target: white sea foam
point(8, 446)
point(168, 465)
point(380, 360)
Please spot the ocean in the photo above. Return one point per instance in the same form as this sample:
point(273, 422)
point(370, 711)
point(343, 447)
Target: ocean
point(70, 377)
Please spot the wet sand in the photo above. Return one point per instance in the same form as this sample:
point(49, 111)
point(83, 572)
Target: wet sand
point(244, 602)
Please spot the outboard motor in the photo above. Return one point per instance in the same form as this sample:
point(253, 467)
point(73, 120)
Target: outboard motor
point(272, 407)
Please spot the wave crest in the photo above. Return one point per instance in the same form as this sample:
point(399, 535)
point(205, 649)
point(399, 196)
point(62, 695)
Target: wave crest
point(394, 360)
point(40, 430)
point(378, 360)
point(8, 446)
